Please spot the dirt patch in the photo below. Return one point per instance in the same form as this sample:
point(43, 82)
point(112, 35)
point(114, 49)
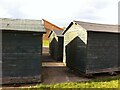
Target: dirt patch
point(56, 72)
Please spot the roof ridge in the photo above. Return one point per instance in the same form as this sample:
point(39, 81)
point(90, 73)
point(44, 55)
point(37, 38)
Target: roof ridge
point(95, 23)
point(19, 19)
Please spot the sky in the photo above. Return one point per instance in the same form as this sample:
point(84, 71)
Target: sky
point(61, 12)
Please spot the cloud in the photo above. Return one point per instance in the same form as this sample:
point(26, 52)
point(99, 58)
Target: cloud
point(10, 8)
point(100, 11)
point(61, 12)
point(54, 9)
point(4, 13)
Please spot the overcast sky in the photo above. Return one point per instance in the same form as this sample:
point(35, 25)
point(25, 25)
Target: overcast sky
point(61, 12)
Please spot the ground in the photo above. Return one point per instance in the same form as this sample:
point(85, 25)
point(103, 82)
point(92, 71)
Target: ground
point(56, 72)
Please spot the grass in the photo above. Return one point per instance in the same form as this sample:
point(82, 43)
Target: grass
point(45, 43)
point(112, 82)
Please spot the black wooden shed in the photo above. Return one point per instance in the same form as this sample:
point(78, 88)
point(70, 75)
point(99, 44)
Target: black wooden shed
point(56, 44)
point(91, 48)
point(21, 50)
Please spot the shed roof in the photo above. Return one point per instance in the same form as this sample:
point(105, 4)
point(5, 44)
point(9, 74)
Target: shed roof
point(57, 32)
point(50, 25)
point(96, 27)
point(21, 25)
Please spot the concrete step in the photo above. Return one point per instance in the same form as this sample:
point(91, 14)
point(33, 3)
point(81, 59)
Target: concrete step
point(52, 64)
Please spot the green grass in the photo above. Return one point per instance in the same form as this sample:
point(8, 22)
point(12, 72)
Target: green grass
point(45, 43)
point(97, 83)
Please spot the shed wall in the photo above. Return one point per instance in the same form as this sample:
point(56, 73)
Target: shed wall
point(21, 56)
point(71, 50)
point(68, 37)
point(56, 47)
point(60, 48)
point(76, 55)
point(53, 46)
point(74, 31)
point(102, 52)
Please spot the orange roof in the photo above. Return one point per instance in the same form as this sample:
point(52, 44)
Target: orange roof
point(56, 27)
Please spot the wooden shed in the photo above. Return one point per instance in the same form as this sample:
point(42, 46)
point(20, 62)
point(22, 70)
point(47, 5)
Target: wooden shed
point(49, 27)
point(56, 44)
point(91, 48)
point(21, 50)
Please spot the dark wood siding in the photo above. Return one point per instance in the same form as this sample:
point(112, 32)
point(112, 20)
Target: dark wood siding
point(99, 55)
point(71, 54)
point(102, 52)
point(21, 55)
point(60, 48)
point(56, 49)
point(76, 55)
point(53, 46)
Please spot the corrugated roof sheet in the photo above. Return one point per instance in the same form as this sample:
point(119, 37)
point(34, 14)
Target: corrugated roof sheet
point(21, 25)
point(98, 27)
